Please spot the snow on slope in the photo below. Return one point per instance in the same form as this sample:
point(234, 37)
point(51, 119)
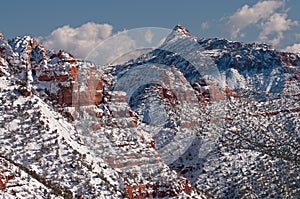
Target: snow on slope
point(222, 114)
point(44, 145)
point(75, 162)
point(246, 132)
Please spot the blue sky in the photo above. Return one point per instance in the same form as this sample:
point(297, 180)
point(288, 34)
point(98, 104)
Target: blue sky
point(273, 21)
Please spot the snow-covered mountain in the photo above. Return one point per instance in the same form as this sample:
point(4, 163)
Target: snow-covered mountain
point(194, 118)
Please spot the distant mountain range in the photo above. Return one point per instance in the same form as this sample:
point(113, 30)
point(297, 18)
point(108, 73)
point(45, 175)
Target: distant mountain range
point(194, 118)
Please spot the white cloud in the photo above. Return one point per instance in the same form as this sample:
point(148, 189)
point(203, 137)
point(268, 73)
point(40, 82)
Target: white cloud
point(78, 41)
point(276, 24)
point(269, 16)
point(112, 49)
point(247, 15)
point(294, 48)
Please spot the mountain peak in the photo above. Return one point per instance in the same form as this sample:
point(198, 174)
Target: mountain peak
point(1, 36)
point(179, 28)
point(179, 31)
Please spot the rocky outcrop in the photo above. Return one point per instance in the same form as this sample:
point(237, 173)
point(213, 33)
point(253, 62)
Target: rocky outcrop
point(87, 88)
point(56, 73)
point(274, 113)
point(158, 190)
point(24, 91)
point(289, 59)
point(5, 177)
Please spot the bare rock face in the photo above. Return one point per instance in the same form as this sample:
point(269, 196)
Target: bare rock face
point(56, 73)
point(89, 90)
point(121, 111)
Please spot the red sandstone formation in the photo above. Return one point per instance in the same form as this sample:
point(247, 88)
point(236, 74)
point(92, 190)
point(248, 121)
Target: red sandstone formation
point(4, 179)
point(273, 113)
point(232, 93)
point(157, 190)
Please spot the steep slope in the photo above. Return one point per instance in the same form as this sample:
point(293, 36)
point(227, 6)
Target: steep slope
point(43, 145)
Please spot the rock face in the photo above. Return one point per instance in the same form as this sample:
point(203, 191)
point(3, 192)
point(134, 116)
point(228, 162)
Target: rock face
point(54, 73)
point(92, 92)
